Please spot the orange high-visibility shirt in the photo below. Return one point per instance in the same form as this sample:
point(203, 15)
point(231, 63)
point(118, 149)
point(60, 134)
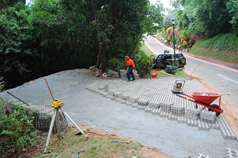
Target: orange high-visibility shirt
point(129, 62)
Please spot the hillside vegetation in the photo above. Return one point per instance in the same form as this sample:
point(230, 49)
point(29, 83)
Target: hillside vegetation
point(223, 47)
point(54, 35)
point(214, 20)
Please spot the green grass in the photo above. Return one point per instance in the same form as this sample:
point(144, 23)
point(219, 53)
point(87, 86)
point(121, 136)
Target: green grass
point(95, 146)
point(220, 47)
point(181, 74)
point(162, 74)
point(147, 51)
point(222, 42)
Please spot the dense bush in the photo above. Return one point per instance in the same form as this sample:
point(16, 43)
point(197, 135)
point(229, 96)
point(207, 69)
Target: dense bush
point(143, 64)
point(222, 42)
point(223, 47)
point(232, 7)
point(117, 64)
point(208, 17)
point(16, 53)
point(185, 44)
point(185, 34)
point(182, 38)
point(16, 130)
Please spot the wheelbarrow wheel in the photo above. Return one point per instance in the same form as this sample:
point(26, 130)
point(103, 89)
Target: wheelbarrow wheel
point(216, 107)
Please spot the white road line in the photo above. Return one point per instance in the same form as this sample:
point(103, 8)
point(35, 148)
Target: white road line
point(227, 78)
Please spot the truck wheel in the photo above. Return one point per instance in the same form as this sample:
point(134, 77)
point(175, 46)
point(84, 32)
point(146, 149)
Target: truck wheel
point(182, 61)
point(216, 107)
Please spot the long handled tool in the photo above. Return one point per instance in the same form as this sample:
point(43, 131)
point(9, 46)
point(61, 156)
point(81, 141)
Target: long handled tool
point(18, 98)
point(57, 105)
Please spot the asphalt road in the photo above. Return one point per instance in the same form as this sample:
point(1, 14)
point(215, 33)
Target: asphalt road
point(221, 78)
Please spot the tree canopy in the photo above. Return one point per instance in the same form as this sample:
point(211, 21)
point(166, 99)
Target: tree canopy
point(55, 35)
point(209, 17)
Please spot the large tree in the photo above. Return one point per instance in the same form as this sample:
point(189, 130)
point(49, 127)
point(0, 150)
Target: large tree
point(16, 46)
point(205, 17)
point(118, 25)
point(55, 35)
point(232, 7)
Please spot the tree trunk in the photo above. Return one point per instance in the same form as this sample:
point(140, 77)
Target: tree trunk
point(101, 52)
point(127, 50)
point(103, 60)
point(134, 46)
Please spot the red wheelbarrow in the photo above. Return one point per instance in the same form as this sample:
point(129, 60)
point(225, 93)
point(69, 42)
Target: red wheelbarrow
point(205, 99)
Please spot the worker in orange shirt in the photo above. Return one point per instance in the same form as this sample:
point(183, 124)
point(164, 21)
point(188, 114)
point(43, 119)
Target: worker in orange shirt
point(130, 65)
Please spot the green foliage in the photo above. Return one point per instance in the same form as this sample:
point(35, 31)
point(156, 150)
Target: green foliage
point(55, 35)
point(232, 7)
point(143, 64)
point(39, 40)
point(182, 38)
point(221, 47)
point(7, 3)
point(185, 44)
point(185, 34)
point(183, 20)
point(154, 19)
point(16, 50)
point(169, 29)
point(169, 33)
point(205, 17)
point(175, 40)
point(117, 64)
point(176, 4)
point(222, 42)
point(16, 130)
point(168, 19)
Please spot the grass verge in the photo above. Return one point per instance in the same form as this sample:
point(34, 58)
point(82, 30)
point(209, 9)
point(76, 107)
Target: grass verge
point(147, 51)
point(162, 74)
point(221, 47)
point(221, 42)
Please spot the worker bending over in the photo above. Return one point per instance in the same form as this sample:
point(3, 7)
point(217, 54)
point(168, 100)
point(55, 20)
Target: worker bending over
point(130, 65)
